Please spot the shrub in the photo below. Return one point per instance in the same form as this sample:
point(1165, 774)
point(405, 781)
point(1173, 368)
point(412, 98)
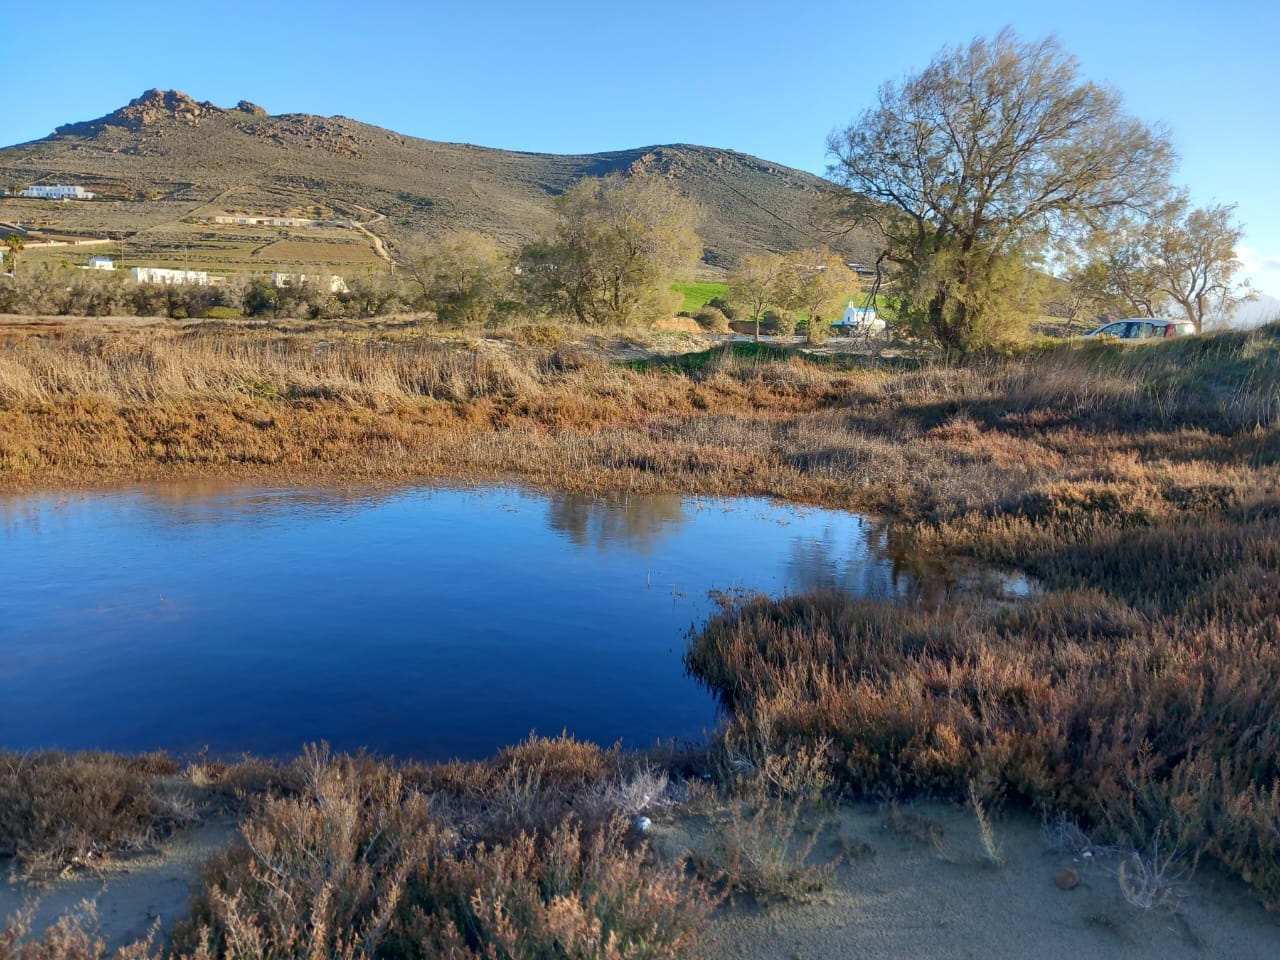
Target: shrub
point(724, 306)
point(359, 864)
point(59, 810)
point(776, 325)
point(757, 847)
point(712, 320)
point(74, 936)
point(1074, 703)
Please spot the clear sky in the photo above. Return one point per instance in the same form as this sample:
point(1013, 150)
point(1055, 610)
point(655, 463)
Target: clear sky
point(761, 76)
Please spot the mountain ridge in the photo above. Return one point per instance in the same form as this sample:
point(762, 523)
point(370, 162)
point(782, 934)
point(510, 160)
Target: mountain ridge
point(182, 153)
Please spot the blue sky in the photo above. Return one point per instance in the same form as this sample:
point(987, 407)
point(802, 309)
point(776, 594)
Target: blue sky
point(767, 78)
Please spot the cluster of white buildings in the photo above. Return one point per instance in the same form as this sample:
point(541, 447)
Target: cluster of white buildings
point(166, 276)
point(162, 275)
point(57, 192)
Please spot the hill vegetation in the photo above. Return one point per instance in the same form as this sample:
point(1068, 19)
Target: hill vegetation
point(165, 158)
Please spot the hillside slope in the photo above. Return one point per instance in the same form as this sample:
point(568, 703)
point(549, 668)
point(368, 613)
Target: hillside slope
point(166, 157)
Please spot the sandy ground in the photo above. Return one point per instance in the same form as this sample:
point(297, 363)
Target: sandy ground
point(129, 896)
point(901, 895)
point(925, 892)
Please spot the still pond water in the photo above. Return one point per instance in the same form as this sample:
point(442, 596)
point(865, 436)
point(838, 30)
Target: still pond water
point(424, 623)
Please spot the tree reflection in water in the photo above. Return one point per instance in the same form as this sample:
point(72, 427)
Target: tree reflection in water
point(638, 523)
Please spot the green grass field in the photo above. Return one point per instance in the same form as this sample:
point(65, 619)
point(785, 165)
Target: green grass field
point(698, 294)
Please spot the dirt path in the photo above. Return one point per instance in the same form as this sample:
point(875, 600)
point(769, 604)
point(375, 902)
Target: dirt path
point(130, 896)
point(378, 246)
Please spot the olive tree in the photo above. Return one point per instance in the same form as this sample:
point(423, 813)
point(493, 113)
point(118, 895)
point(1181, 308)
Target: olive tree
point(463, 278)
point(619, 244)
point(754, 285)
point(815, 282)
point(975, 167)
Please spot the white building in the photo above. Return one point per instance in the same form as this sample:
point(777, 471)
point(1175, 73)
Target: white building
point(163, 275)
point(860, 320)
point(57, 193)
point(101, 263)
point(331, 283)
point(255, 220)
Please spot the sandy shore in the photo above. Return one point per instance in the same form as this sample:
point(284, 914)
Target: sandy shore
point(903, 895)
point(895, 894)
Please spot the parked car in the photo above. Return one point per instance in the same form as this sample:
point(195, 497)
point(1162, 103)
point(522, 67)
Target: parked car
point(1144, 328)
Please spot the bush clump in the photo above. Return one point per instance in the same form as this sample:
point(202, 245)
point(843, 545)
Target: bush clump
point(712, 319)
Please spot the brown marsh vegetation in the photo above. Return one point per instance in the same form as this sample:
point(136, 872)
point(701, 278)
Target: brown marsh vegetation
point(1136, 695)
point(531, 854)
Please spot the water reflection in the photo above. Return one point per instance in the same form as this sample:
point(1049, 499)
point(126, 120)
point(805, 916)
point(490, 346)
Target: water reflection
point(420, 622)
point(856, 564)
point(637, 523)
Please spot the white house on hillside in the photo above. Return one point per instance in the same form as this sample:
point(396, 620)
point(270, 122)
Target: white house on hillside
point(101, 263)
point(166, 276)
point(57, 193)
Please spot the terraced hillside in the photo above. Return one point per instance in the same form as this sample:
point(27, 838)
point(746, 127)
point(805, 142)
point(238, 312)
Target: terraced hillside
point(165, 161)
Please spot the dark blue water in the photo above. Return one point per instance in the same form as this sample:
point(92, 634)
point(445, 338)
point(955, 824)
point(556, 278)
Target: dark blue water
point(424, 623)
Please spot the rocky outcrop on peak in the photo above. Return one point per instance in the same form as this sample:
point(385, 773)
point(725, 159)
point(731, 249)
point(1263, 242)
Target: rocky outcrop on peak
point(153, 107)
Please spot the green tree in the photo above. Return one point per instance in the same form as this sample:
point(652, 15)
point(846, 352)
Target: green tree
point(619, 244)
point(259, 297)
point(753, 286)
point(815, 282)
point(1113, 273)
point(14, 245)
point(974, 168)
point(463, 278)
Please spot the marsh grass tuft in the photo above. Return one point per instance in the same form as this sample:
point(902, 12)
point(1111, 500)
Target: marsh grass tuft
point(1152, 880)
point(986, 834)
point(760, 847)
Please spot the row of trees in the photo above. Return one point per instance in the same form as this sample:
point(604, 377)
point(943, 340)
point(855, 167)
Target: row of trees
point(1179, 259)
point(998, 165)
point(815, 282)
point(68, 291)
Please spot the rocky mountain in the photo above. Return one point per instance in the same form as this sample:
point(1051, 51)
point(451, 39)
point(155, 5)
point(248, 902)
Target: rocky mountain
point(166, 156)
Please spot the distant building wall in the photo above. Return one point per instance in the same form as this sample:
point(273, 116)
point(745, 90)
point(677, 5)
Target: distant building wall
point(57, 192)
point(258, 221)
point(101, 263)
point(332, 283)
point(166, 276)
